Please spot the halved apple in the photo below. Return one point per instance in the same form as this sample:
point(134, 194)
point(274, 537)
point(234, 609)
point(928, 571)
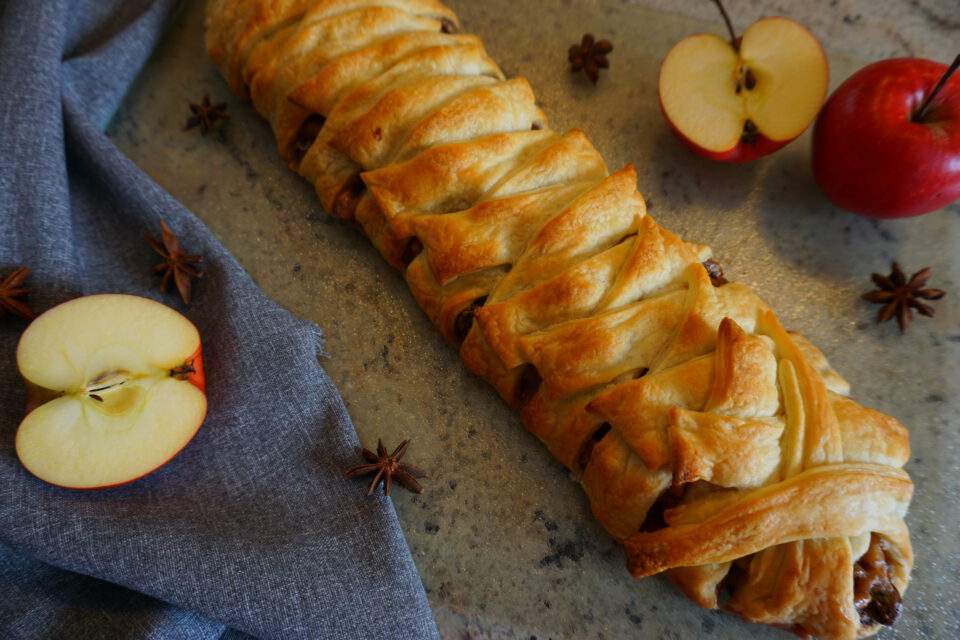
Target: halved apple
point(115, 389)
point(741, 99)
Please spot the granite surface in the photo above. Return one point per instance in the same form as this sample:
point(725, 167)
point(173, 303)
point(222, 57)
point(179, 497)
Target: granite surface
point(503, 537)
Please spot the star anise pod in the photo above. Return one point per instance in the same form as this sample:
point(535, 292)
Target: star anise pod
point(389, 469)
point(898, 295)
point(205, 115)
point(11, 290)
point(177, 265)
point(589, 56)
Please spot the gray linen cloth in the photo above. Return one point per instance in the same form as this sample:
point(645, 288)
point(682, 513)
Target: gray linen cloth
point(252, 528)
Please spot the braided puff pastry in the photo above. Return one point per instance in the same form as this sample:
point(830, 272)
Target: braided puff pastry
point(718, 447)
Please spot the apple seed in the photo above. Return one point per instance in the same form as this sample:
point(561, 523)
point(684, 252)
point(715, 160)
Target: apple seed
point(106, 382)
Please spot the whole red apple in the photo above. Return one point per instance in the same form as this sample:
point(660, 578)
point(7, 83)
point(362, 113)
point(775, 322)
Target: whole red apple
point(880, 151)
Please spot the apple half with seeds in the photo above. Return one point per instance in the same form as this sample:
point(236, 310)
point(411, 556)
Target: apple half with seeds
point(115, 389)
point(739, 99)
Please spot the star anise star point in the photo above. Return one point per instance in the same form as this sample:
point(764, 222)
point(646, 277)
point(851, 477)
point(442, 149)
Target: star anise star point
point(205, 115)
point(589, 56)
point(177, 265)
point(11, 293)
point(388, 469)
point(898, 295)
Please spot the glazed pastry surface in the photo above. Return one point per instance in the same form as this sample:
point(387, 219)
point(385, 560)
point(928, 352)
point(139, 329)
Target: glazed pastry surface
point(715, 445)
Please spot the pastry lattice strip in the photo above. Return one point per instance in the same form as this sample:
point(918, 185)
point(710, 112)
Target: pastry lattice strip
point(715, 445)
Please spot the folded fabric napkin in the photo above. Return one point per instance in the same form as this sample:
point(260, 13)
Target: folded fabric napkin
point(252, 528)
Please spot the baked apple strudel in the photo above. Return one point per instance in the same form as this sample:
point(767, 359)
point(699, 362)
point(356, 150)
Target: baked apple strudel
point(718, 447)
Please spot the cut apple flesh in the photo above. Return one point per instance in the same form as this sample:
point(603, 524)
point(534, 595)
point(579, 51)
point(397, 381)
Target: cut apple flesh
point(116, 382)
point(776, 82)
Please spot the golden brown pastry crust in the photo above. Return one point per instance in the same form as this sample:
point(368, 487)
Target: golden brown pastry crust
point(714, 444)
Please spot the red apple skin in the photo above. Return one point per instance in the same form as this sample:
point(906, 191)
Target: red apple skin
point(197, 377)
point(870, 158)
point(742, 152)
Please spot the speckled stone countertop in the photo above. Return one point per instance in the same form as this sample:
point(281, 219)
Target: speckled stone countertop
point(503, 538)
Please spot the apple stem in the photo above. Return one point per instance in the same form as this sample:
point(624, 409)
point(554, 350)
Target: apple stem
point(750, 131)
point(921, 114)
point(726, 18)
point(183, 371)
